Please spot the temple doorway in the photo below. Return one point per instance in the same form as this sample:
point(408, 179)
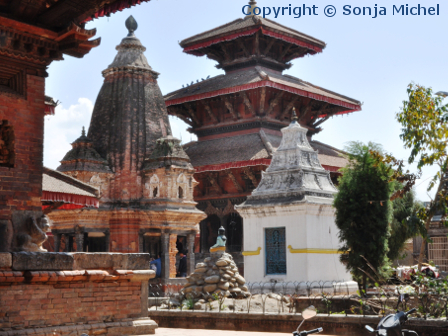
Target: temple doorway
point(95, 242)
point(209, 231)
point(152, 245)
point(234, 232)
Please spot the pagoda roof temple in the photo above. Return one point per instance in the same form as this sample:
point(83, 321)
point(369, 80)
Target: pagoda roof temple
point(253, 92)
point(237, 116)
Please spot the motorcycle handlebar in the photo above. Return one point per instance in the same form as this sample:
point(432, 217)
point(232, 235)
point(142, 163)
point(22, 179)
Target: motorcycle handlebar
point(411, 311)
point(314, 331)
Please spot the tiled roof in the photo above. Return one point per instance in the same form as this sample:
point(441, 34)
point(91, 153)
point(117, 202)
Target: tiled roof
point(251, 147)
point(248, 76)
point(250, 22)
point(54, 181)
point(237, 148)
point(50, 101)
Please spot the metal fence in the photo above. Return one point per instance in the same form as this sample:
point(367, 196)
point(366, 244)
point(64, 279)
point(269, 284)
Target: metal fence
point(329, 297)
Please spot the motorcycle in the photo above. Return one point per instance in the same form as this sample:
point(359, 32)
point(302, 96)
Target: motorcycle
point(307, 314)
point(391, 325)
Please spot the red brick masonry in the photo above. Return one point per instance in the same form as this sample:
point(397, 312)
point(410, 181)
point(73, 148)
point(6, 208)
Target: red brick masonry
point(43, 298)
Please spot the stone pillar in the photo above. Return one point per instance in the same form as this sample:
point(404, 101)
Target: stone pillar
point(141, 241)
point(165, 237)
point(57, 241)
point(67, 243)
point(173, 251)
point(203, 236)
point(107, 235)
point(190, 255)
point(144, 298)
point(79, 242)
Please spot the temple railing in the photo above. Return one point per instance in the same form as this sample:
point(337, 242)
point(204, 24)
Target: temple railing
point(329, 297)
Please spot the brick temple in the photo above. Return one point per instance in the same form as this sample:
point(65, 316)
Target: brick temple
point(143, 175)
point(237, 116)
point(32, 35)
point(34, 285)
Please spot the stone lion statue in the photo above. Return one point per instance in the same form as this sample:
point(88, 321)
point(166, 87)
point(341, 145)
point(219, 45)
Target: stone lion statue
point(32, 238)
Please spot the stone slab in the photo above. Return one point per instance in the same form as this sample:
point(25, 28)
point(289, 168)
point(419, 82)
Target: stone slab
point(5, 260)
point(41, 261)
point(113, 261)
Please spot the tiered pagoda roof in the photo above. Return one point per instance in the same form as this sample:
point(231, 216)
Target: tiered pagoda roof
point(257, 77)
point(208, 43)
point(229, 112)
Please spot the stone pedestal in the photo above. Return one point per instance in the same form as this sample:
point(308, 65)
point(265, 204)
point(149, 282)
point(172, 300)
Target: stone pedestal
point(33, 285)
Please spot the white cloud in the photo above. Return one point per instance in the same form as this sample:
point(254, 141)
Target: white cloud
point(63, 128)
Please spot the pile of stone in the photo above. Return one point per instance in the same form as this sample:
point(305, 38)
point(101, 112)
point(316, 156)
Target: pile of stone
point(217, 274)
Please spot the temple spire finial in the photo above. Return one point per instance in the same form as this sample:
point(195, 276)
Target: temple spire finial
point(252, 4)
point(83, 133)
point(131, 25)
point(294, 116)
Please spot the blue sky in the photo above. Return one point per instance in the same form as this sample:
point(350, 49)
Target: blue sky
point(371, 60)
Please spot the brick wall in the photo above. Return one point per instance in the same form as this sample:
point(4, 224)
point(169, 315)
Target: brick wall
point(21, 185)
point(42, 299)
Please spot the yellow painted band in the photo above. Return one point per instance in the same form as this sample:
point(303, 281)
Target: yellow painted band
point(216, 249)
point(314, 250)
point(251, 253)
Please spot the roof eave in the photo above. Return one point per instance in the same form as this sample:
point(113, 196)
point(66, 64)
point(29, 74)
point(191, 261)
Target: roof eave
point(351, 107)
point(193, 47)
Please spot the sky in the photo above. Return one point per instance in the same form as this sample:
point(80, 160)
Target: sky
point(368, 59)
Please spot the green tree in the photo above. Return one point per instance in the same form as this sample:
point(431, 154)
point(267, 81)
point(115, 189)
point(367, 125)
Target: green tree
point(424, 122)
point(363, 213)
point(404, 223)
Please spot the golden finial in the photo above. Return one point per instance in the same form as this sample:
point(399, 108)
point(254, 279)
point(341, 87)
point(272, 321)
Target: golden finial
point(252, 4)
point(294, 115)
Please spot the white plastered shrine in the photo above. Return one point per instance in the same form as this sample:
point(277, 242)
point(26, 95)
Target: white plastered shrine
point(289, 221)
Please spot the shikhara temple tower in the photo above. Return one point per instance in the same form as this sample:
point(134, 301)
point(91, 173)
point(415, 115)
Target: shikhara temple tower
point(237, 116)
point(144, 176)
